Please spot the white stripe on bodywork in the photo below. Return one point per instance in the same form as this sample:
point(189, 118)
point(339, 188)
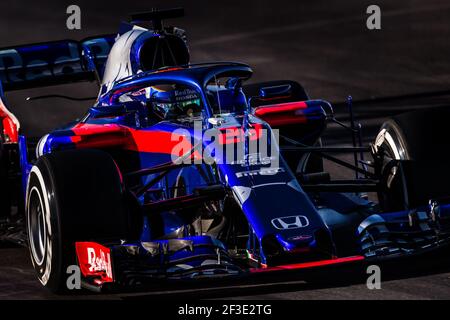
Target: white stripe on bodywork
point(118, 65)
point(269, 184)
point(242, 193)
point(40, 146)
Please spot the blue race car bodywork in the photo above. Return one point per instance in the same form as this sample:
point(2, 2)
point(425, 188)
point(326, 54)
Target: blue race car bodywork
point(219, 177)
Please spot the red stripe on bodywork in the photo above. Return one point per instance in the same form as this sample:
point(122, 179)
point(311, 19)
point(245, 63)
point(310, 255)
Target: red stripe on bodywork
point(307, 265)
point(159, 142)
point(283, 113)
point(113, 135)
point(236, 134)
point(274, 98)
point(281, 107)
point(167, 70)
point(10, 127)
point(99, 136)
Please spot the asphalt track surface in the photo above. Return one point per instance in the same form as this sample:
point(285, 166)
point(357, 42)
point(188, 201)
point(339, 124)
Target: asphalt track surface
point(325, 46)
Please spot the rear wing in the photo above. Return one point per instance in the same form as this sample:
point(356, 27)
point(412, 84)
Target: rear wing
point(52, 63)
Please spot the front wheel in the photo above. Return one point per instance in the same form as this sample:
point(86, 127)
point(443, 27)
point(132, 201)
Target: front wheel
point(71, 196)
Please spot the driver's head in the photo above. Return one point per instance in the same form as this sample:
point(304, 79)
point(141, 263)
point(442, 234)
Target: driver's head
point(175, 103)
point(161, 104)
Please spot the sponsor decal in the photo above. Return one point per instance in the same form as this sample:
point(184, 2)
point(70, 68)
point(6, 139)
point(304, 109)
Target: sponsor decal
point(254, 159)
point(95, 261)
point(303, 237)
point(261, 172)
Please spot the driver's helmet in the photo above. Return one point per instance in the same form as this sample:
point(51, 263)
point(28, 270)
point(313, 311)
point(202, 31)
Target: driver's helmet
point(175, 103)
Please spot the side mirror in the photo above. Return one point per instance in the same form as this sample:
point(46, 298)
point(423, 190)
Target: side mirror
point(275, 91)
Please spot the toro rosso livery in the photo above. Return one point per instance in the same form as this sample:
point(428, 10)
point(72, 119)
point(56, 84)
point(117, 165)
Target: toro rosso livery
point(184, 171)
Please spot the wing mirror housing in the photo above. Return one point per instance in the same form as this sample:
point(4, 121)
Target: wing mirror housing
point(275, 91)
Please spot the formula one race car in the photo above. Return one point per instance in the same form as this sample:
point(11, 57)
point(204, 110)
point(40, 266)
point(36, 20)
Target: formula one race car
point(182, 171)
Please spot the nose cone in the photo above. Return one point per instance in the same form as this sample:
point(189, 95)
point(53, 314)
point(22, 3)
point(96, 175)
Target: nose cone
point(279, 249)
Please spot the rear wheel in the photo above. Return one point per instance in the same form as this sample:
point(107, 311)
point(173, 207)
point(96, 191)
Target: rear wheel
point(71, 196)
point(310, 162)
point(415, 151)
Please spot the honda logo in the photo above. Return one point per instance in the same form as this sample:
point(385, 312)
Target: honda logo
point(291, 222)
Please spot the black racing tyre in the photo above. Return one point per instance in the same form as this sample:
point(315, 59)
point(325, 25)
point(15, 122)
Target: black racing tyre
point(416, 152)
point(71, 196)
point(313, 162)
point(5, 188)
